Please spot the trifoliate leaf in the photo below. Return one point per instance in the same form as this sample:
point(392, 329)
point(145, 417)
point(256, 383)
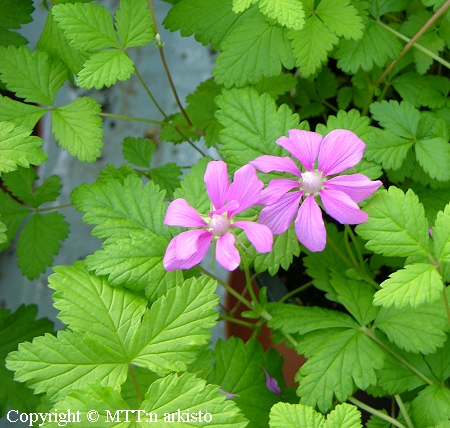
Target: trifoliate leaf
point(103, 68)
point(285, 415)
point(34, 76)
point(380, 7)
point(15, 13)
point(110, 171)
point(397, 225)
point(134, 23)
point(174, 396)
point(376, 47)
point(431, 406)
point(414, 285)
point(311, 45)
point(48, 191)
point(341, 17)
point(78, 128)
point(346, 359)
point(288, 13)
point(433, 155)
point(209, 20)
point(14, 329)
point(18, 148)
point(420, 329)
point(182, 318)
point(88, 27)
point(20, 182)
point(138, 151)
point(12, 215)
point(39, 241)
point(20, 114)
point(241, 5)
point(167, 177)
point(238, 369)
point(54, 42)
point(252, 125)
point(254, 50)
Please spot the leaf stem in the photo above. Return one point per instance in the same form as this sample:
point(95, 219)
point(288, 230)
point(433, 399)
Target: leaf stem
point(412, 42)
point(136, 385)
point(375, 412)
point(229, 318)
point(57, 207)
point(136, 119)
point(339, 252)
point(447, 307)
point(303, 287)
point(402, 408)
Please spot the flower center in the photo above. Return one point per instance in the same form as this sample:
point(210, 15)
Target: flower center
point(219, 224)
point(311, 181)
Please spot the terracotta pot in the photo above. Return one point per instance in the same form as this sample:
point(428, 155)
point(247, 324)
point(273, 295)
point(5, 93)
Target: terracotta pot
point(292, 361)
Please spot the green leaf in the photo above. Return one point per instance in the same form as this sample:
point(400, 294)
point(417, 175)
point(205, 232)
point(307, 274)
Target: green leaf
point(103, 68)
point(138, 151)
point(420, 329)
point(380, 7)
point(341, 17)
point(167, 177)
point(433, 156)
point(161, 286)
point(288, 13)
point(39, 241)
point(441, 241)
point(254, 50)
point(48, 191)
point(110, 171)
point(176, 326)
point(34, 76)
point(8, 38)
point(18, 148)
point(78, 128)
point(209, 20)
point(347, 358)
point(20, 114)
point(440, 361)
point(397, 225)
point(12, 214)
point(252, 125)
point(376, 47)
point(431, 406)
point(3, 236)
point(15, 13)
point(414, 285)
point(238, 369)
point(241, 5)
point(134, 23)
point(88, 27)
point(276, 85)
point(285, 415)
point(344, 416)
point(311, 45)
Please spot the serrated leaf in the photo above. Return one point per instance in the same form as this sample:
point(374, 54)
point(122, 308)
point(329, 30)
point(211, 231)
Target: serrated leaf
point(110, 171)
point(351, 120)
point(209, 20)
point(134, 23)
point(285, 415)
point(12, 214)
point(241, 5)
point(346, 359)
point(441, 241)
point(433, 155)
point(8, 38)
point(160, 286)
point(138, 151)
point(183, 319)
point(252, 125)
point(34, 76)
point(344, 416)
point(18, 148)
point(88, 27)
point(20, 114)
point(254, 50)
point(380, 7)
point(440, 361)
point(311, 45)
point(167, 177)
point(3, 236)
point(376, 47)
point(431, 406)
point(78, 128)
point(20, 182)
point(15, 13)
point(39, 241)
point(414, 285)
point(397, 225)
point(341, 17)
point(103, 68)
point(288, 13)
point(48, 191)
point(276, 85)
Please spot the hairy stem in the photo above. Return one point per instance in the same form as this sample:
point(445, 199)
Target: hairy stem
point(136, 385)
point(402, 408)
point(56, 207)
point(412, 42)
point(303, 287)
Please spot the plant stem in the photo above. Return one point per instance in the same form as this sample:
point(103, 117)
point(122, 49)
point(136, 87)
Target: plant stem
point(339, 252)
point(402, 408)
point(349, 250)
point(57, 207)
point(238, 321)
point(412, 42)
point(303, 287)
point(447, 307)
point(375, 412)
point(164, 63)
point(248, 280)
point(136, 385)
point(136, 119)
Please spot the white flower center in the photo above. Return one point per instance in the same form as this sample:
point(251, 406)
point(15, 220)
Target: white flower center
point(219, 224)
point(311, 181)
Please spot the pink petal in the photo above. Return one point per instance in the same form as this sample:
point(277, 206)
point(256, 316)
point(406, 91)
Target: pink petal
point(340, 150)
point(279, 216)
point(258, 234)
point(276, 189)
point(357, 186)
point(217, 183)
point(303, 145)
point(309, 226)
point(180, 213)
point(188, 242)
point(226, 253)
point(341, 207)
point(246, 189)
point(268, 163)
point(172, 262)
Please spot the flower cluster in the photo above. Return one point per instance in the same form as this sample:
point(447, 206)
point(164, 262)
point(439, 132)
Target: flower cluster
point(284, 199)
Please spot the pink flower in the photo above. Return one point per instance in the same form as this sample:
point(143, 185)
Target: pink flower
point(190, 247)
point(321, 159)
